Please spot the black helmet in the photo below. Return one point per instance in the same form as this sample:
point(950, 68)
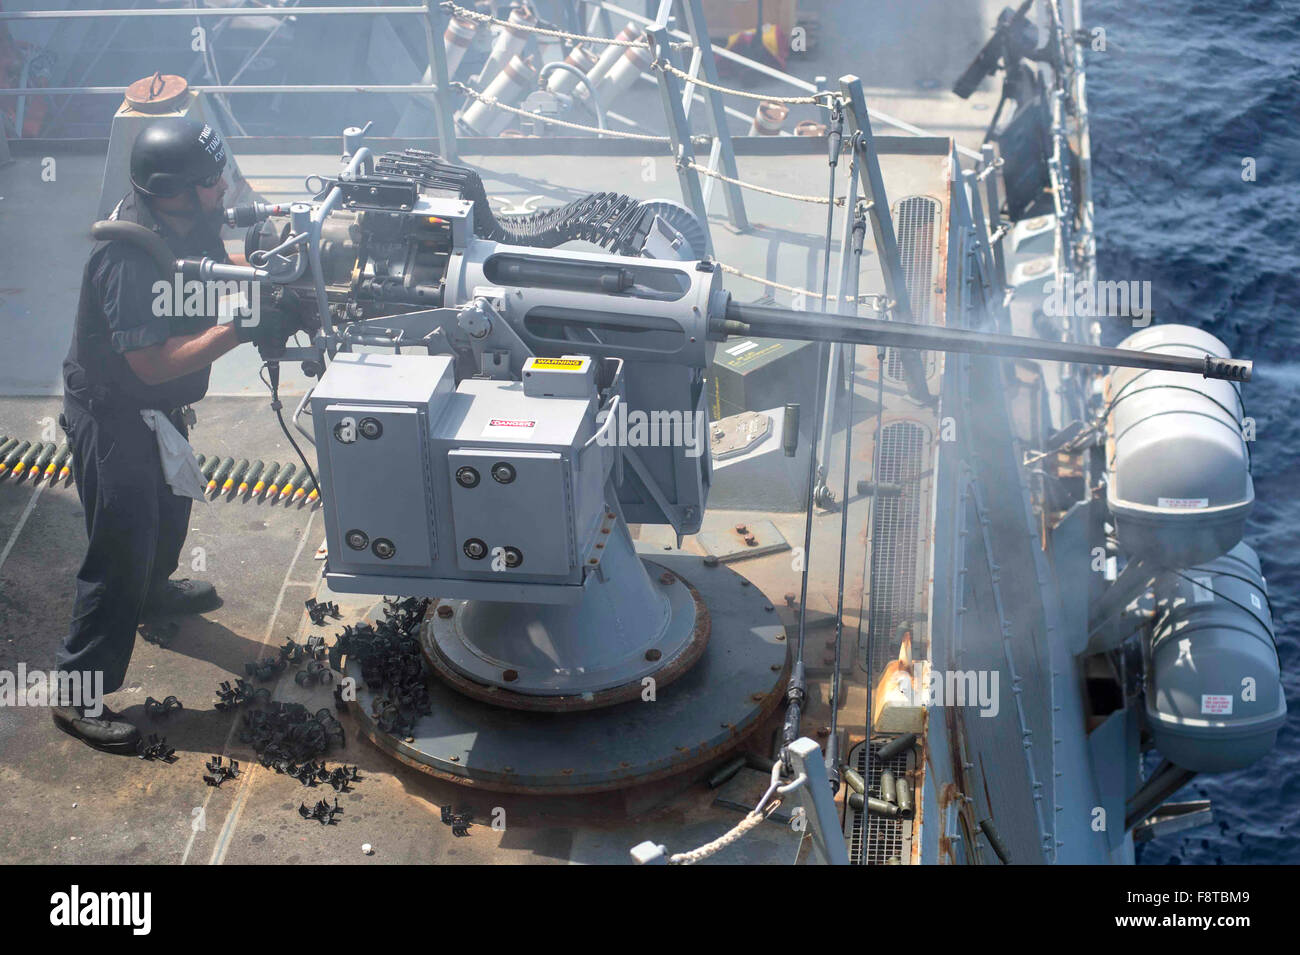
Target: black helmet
point(171, 156)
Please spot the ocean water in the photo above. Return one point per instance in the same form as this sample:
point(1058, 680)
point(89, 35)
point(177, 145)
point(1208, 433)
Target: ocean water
point(1182, 97)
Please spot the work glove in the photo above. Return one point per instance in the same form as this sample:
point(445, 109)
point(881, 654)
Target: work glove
point(274, 326)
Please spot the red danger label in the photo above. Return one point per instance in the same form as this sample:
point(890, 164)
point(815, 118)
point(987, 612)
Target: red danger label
point(1216, 705)
point(511, 423)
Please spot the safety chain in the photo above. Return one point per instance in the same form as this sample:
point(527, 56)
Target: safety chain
point(495, 103)
point(881, 303)
point(706, 171)
point(822, 99)
point(766, 806)
point(459, 11)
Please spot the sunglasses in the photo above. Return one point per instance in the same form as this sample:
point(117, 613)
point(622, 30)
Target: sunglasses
point(209, 182)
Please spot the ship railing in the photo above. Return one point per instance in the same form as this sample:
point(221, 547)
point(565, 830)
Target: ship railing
point(601, 10)
point(1076, 244)
point(1072, 26)
point(697, 82)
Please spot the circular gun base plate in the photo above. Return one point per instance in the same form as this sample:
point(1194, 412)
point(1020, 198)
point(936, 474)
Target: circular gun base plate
point(692, 622)
point(709, 709)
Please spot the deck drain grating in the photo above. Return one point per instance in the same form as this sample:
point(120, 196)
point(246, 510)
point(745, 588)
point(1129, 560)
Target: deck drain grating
point(916, 219)
point(894, 543)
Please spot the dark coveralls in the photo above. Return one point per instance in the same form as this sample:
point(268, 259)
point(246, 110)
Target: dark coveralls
point(136, 525)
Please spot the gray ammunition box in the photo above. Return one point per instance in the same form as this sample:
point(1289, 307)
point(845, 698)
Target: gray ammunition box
point(525, 496)
point(372, 415)
point(471, 486)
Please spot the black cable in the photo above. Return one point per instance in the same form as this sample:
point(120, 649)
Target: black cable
point(832, 748)
point(796, 692)
point(273, 385)
point(870, 567)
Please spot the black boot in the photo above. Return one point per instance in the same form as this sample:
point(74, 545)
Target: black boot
point(108, 731)
point(182, 596)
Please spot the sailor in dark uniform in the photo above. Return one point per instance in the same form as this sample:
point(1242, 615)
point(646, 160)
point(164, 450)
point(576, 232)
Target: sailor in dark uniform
point(127, 356)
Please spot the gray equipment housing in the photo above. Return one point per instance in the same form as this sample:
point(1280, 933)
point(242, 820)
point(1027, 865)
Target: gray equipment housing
point(372, 415)
point(1178, 467)
point(468, 491)
point(1214, 699)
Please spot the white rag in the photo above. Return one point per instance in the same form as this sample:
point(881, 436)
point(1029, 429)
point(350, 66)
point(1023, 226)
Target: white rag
point(180, 467)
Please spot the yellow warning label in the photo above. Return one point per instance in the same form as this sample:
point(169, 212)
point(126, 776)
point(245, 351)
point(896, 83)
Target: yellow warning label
point(558, 363)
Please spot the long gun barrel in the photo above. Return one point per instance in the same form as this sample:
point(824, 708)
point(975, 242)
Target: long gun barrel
point(773, 322)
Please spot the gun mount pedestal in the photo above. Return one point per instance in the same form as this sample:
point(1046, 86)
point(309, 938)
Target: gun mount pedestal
point(637, 621)
point(734, 685)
